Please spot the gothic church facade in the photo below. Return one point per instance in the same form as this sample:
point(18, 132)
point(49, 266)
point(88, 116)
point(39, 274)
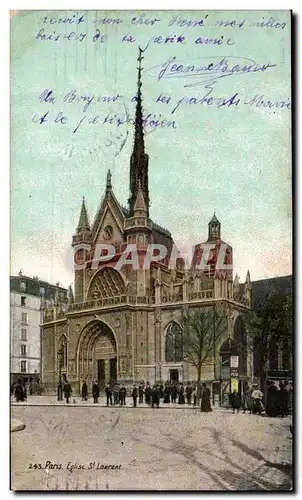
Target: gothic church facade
point(125, 324)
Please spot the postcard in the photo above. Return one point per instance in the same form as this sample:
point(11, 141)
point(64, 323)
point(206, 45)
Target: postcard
point(151, 232)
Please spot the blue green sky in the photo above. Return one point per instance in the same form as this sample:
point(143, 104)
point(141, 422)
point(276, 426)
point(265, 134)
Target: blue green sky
point(235, 160)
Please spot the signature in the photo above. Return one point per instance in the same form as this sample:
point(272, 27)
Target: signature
point(209, 69)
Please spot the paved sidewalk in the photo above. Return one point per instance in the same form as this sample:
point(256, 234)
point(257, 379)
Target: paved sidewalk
point(77, 401)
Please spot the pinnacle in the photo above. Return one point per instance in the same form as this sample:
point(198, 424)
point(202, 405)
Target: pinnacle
point(83, 224)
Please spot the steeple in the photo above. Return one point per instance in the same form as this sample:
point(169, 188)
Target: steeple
point(214, 229)
point(139, 159)
point(83, 224)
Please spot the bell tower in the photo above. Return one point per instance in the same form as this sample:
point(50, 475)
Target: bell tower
point(81, 238)
point(214, 229)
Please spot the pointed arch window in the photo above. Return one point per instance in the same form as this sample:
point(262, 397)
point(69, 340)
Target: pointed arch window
point(107, 283)
point(174, 343)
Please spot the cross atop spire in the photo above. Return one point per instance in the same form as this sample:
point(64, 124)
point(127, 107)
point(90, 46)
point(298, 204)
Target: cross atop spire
point(139, 146)
point(83, 224)
point(139, 159)
point(108, 182)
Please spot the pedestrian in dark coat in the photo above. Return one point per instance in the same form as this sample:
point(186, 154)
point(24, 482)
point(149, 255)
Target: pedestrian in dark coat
point(161, 391)
point(148, 393)
point(173, 393)
point(189, 391)
point(95, 392)
point(272, 400)
point(84, 391)
point(116, 391)
point(181, 395)
point(235, 401)
point(123, 395)
point(155, 396)
point(167, 391)
point(141, 393)
point(19, 392)
point(108, 392)
point(134, 395)
point(67, 391)
point(283, 401)
point(205, 399)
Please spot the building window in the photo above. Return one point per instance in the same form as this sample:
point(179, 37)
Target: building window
point(23, 301)
point(24, 319)
point(23, 367)
point(23, 334)
point(42, 291)
point(23, 350)
point(174, 347)
point(23, 286)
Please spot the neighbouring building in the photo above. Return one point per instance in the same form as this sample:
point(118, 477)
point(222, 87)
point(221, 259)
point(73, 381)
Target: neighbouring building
point(28, 297)
point(124, 324)
point(280, 356)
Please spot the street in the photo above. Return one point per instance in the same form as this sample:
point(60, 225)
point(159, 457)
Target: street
point(148, 449)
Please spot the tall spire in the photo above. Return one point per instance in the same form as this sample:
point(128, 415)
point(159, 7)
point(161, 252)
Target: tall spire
point(139, 159)
point(83, 224)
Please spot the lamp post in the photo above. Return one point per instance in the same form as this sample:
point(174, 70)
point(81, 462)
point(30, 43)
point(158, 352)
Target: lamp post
point(60, 359)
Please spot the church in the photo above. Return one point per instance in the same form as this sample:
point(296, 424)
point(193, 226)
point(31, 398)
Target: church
point(125, 324)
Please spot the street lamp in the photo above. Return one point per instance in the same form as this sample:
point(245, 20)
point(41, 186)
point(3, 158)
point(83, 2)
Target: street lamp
point(60, 359)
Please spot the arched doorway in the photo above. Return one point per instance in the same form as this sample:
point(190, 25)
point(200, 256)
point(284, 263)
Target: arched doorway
point(97, 353)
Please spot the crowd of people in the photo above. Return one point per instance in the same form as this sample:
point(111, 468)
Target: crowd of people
point(151, 395)
point(21, 388)
point(277, 403)
point(277, 400)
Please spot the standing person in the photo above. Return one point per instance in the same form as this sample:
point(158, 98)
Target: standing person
point(173, 393)
point(272, 400)
point(247, 400)
point(123, 395)
point(257, 396)
point(134, 395)
point(60, 391)
point(205, 399)
point(24, 391)
point(84, 391)
point(95, 392)
point(141, 393)
point(19, 392)
point(167, 394)
point(161, 391)
point(189, 393)
point(116, 391)
point(235, 401)
point(108, 392)
point(155, 396)
point(194, 395)
point(67, 391)
point(181, 395)
point(148, 394)
point(283, 400)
